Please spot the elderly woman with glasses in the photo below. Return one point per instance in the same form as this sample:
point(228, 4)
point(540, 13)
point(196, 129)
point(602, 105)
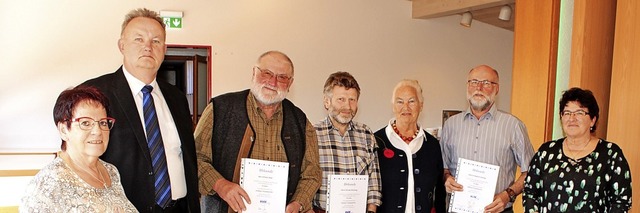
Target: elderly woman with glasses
point(77, 180)
point(578, 173)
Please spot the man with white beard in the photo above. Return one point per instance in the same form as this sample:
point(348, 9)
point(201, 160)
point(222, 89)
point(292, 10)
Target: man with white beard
point(485, 134)
point(346, 147)
point(259, 123)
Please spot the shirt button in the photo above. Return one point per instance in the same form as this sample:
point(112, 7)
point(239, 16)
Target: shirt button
point(400, 155)
point(418, 189)
point(399, 207)
point(401, 188)
point(150, 173)
point(416, 171)
point(414, 156)
point(418, 207)
point(402, 170)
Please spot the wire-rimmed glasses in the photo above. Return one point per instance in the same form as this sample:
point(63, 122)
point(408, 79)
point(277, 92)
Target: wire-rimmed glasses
point(484, 83)
point(568, 114)
point(86, 123)
point(267, 74)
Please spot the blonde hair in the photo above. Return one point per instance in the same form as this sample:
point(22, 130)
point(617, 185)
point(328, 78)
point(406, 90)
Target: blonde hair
point(141, 12)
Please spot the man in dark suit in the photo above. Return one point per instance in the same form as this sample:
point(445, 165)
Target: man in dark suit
point(142, 43)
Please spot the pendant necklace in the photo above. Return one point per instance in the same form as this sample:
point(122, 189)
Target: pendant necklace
point(575, 153)
point(101, 179)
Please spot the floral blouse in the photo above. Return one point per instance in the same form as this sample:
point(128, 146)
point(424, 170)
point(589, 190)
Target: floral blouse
point(598, 182)
point(56, 188)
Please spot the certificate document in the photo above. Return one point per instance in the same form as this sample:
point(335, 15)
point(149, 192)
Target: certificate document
point(266, 183)
point(479, 184)
point(347, 193)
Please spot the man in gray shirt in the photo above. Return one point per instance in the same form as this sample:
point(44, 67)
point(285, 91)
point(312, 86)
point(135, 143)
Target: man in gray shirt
point(483, 133)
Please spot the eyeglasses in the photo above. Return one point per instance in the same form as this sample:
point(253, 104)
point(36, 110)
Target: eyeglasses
point(86, 123)
point(267, 74)
point(484, 83)
point(568, 113)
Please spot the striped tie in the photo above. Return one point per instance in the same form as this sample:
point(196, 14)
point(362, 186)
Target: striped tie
point(156, 148)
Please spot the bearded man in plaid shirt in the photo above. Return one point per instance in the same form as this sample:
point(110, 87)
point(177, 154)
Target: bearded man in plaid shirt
point(346, 147)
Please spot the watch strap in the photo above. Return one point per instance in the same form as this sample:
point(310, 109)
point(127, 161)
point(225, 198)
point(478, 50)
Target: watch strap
point(512, 194)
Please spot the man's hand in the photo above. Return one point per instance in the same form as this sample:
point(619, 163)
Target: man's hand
point(232, 193)
point(499, 203)
point(293, 207)
point(451, 185)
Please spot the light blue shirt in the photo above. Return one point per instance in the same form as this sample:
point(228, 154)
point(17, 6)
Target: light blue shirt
point(496, 138)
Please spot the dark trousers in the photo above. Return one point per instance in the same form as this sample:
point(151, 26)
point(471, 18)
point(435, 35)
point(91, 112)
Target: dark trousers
point(318, 210)
point(175, 206)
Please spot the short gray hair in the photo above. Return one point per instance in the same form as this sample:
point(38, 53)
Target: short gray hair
point(411, 83)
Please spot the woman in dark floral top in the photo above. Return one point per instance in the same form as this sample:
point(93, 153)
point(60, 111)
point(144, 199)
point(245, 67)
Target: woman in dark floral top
point(578, 173)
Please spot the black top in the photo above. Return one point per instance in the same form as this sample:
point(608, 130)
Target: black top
point(427, 176)
point(598, 182)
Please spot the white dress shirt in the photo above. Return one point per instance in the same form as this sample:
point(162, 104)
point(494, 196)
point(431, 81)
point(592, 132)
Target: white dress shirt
point(168, 130)
point(409, 149)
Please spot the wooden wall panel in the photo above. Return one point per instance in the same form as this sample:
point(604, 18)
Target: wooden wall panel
point(592, 52)
point(624, 105)
point(534, 68)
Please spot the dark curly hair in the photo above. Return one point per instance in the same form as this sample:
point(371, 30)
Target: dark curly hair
point(584, 98)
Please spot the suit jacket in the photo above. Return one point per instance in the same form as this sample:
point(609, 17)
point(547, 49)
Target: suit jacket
point(128, 149)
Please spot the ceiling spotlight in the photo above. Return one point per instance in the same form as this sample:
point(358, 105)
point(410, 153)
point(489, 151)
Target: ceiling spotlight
point(505, 13)
point(466, 19)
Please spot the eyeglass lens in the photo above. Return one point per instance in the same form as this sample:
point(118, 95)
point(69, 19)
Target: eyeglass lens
point(484, 83)
point(87, 123)
point(268, 75)
point(568, 113)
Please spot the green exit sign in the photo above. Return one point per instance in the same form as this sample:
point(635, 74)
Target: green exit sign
point(173, 23)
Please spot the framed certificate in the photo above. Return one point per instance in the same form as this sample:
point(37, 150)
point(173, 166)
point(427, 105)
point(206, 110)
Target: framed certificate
point(479, 183)
point(266, 183)
point(347, 193)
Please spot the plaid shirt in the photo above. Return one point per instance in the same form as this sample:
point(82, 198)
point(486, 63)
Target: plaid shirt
point(351, 154)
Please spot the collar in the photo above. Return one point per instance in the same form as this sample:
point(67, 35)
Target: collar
point(490, 114)
point(329, 124)
point(254, 104)
point(136, 85)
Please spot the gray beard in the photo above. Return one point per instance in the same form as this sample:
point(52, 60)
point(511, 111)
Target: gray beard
point(479, 105)
point(340, 119)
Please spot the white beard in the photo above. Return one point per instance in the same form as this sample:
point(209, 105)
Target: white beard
point(266, 99)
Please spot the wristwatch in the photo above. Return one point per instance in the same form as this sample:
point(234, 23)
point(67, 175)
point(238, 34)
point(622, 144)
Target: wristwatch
point(512, 194)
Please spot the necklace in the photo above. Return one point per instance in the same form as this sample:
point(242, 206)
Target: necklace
point(405, 139)
point(575, 153)
point(101, 179)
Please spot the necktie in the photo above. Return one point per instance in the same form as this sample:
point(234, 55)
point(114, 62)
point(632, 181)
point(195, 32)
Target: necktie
point(156, 149)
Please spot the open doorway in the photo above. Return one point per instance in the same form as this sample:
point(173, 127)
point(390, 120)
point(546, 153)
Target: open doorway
point(188, 67)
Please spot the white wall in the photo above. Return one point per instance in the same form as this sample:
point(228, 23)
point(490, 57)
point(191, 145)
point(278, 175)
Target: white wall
point(47, 46)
